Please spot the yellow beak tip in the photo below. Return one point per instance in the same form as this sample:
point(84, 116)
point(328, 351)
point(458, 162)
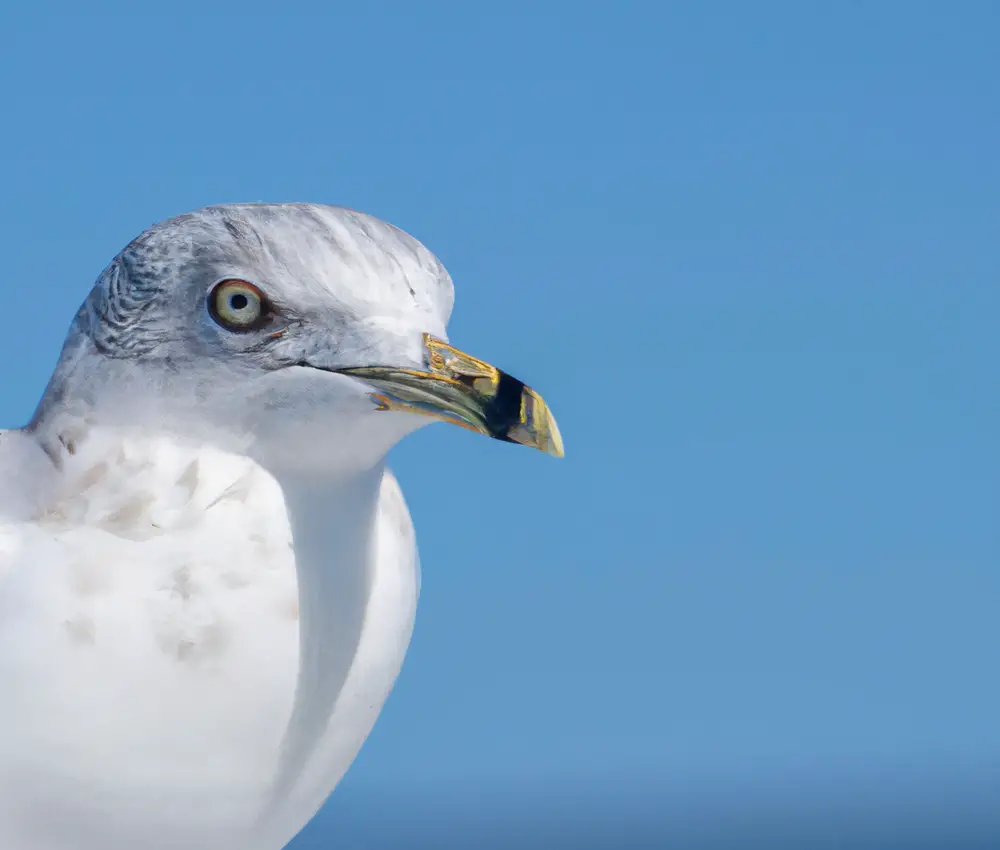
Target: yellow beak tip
point(555, 447)
point(538, 428)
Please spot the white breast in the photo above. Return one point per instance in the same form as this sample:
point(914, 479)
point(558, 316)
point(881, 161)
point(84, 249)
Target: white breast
point(149, 648)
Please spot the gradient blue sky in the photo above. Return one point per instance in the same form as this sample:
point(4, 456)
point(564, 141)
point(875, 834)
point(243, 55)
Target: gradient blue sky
point(749, 253)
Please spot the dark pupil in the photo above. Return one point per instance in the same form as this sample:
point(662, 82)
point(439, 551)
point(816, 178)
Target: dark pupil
point(239, 302)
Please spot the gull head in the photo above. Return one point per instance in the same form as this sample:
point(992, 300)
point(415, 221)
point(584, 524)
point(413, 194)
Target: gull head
point(303, 335)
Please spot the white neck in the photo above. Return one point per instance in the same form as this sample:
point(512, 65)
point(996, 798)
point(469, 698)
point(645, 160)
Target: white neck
point(333, 521)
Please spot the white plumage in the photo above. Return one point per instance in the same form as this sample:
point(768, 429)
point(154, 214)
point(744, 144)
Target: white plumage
point(149, 641)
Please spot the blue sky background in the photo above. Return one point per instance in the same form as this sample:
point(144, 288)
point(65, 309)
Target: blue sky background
point(749, 253)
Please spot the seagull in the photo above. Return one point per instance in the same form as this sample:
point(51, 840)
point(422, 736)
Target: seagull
point(208, 574)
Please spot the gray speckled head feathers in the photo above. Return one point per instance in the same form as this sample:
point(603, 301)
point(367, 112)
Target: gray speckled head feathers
point(347, 290)
point(333, 255)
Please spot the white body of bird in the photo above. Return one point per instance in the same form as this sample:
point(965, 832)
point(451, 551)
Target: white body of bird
point(208, 577)
point(149, 649)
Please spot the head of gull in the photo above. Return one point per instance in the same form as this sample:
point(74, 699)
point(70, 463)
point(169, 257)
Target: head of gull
point(308, 337)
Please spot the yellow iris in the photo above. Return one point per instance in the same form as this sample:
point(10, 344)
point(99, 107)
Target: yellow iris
point(237, 305)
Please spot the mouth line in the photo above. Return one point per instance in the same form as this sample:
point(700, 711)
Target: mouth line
point(462, 390)
point(456, 399)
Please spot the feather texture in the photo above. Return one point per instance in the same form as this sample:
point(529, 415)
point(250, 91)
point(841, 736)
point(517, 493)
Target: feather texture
point(149, 643)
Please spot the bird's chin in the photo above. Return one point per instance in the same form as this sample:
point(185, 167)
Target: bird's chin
point(335, 446)
point(309, 421)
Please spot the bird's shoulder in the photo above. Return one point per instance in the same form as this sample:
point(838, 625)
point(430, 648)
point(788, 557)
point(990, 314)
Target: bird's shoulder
point(187, 534)
point(156, 520)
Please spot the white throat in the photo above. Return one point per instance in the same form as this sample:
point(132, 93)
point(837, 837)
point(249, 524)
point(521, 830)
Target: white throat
point(332, 518)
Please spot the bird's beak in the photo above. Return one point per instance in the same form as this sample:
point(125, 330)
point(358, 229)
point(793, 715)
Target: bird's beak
point(465, 391)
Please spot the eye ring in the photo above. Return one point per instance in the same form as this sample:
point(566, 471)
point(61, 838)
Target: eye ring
point(238, 305)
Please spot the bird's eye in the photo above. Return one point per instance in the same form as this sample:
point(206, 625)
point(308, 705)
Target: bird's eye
point(238, 305)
